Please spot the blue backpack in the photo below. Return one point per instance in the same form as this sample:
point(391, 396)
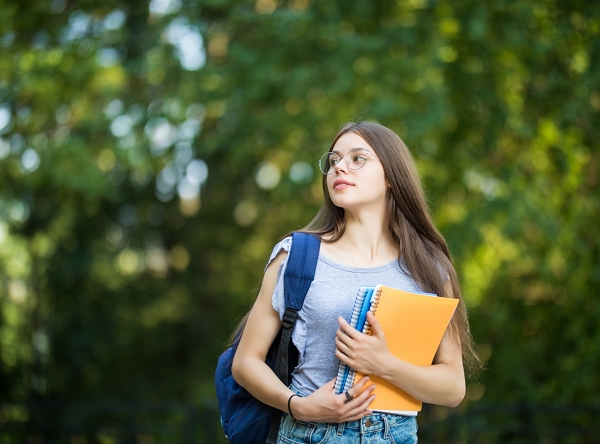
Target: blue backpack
point(245, 419)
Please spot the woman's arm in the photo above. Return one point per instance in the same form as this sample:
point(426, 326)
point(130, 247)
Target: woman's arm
point(249, 368)
point(442, 383)
point(251, 372)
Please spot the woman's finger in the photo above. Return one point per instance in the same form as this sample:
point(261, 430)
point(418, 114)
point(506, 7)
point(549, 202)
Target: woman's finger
point(361, 383)
point(363, 395)
point(346, 328)
point(375, 326)
point(342, 337)
point(357, 394)
point(342, 346)
point(360, 408)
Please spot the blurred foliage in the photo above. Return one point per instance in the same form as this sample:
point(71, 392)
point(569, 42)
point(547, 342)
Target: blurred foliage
point(151, 154)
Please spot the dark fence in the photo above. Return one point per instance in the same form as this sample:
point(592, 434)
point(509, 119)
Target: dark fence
point(124, 423)
point(109, 423)
point(511, 423)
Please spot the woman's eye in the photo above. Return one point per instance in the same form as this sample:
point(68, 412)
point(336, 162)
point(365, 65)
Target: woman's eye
point(359, 158)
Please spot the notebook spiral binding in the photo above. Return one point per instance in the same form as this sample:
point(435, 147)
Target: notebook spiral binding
point(374, 304)
point(367, 329)
point(346, 374)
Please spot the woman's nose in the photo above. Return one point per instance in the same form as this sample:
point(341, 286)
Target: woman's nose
point(341, 165)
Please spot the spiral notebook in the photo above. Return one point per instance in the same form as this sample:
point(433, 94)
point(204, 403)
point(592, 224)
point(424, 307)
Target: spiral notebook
point(414, 324)
point(345, 375)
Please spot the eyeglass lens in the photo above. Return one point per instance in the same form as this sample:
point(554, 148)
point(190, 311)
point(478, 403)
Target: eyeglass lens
point(355, 159)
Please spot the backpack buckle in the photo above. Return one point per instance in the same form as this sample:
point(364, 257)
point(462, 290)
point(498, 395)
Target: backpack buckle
point(289, 317)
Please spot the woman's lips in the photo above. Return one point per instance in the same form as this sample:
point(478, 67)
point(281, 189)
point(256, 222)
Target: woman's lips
point(340, 184)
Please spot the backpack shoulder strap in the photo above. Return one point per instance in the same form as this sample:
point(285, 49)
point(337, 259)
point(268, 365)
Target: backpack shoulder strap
point(300, 270)
point(299, 274)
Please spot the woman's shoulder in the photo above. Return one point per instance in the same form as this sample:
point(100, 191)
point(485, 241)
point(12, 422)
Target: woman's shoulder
point(283, 245)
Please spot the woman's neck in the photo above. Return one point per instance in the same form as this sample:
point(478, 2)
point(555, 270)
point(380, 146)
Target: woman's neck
point(366, 242)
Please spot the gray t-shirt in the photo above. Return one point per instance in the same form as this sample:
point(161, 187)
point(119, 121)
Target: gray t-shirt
point(331, 294)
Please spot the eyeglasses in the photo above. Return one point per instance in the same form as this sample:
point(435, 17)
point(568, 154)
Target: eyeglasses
point(355, 159)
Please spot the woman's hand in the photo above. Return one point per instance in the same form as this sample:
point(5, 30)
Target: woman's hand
point(363, 353)
point(324, 405)
point(441, 383)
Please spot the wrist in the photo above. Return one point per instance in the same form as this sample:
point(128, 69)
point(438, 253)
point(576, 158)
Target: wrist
point(298, 408)
point(289, 405)
point(388, 367)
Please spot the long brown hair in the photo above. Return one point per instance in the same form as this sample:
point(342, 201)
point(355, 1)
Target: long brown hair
point(423, 252)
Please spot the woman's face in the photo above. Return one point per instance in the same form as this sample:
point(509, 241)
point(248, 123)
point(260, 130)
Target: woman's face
point(355, 188)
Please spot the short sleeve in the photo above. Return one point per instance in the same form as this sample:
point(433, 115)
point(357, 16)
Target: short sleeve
point(278, 299)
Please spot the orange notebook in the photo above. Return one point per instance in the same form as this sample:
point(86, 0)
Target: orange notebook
point(414, 325)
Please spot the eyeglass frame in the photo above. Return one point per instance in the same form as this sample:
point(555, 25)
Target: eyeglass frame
point(345, 158)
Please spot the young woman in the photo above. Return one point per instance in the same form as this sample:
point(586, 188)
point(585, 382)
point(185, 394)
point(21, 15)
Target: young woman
point(375, 228)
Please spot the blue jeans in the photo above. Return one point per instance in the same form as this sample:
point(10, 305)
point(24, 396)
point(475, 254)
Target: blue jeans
point(375, 428)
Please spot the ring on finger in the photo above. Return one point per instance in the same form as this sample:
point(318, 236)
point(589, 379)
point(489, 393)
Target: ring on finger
point(349, 397)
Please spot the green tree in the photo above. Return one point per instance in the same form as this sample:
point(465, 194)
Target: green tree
point(151, 156)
